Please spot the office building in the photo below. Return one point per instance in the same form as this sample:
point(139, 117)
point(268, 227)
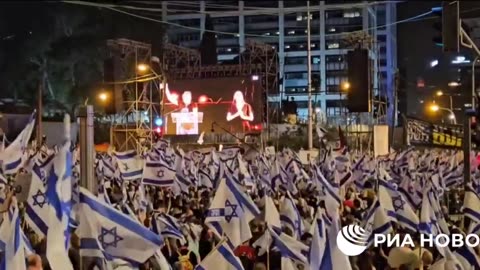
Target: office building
point(283, 25)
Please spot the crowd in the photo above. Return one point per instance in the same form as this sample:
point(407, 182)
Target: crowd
point(219, 209)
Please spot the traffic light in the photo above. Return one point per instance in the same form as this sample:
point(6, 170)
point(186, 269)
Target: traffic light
point(447, 26)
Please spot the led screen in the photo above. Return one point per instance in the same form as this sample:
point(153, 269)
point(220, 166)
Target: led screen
point(233, 104)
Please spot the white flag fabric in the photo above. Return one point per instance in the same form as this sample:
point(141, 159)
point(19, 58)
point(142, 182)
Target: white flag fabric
point(221, 258)
point(59, 194)
point(13, 157)
point(129, 164)
point(158, 174)
point(290, 216)
point(107, 233)
point(270, 213)
point(396, 206)
point(376, 221)
point(11, 235)
point(471, 204)
point(289, 247)
point(230, 212)
point(36, 208)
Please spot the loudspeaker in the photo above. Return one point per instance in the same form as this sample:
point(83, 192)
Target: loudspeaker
point(359, 94)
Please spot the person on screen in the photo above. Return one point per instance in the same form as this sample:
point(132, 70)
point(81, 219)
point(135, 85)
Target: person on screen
point(240, 108)
point(184, 105)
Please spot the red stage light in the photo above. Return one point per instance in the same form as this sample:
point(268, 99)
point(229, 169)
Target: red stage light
point(202, 99)
point(257, 127)
point(158, 130)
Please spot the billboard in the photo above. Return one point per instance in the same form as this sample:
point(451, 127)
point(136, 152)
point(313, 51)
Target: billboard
point(217, 105)
point(419, 132)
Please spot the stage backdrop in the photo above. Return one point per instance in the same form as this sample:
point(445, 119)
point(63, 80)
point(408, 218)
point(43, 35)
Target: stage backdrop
point(193, 106)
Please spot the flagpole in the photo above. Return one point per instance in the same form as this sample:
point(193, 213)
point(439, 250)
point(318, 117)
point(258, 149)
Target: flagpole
point(268, 259)
point(309, 81)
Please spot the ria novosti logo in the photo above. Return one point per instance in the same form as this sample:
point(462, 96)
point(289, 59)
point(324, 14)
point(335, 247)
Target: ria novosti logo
point(352, 240)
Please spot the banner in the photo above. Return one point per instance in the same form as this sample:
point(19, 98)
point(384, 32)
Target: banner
point(419, 132)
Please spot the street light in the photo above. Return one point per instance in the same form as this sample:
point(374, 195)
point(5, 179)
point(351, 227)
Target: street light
point(454, 84)
point(451, 116)
point(439, 93)
point(345, 86)
point(103, 96)
point(142, 67)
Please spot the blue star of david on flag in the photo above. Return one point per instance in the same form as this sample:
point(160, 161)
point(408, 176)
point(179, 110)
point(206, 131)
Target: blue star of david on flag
point(398, 203)
point(39, 199)
point(125, 166)
point(109, 238)
point(233, 211)
point(160, 173)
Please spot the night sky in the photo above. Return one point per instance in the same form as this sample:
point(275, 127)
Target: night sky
point(415, 51)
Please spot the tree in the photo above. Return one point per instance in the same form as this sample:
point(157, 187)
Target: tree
point(61, 46)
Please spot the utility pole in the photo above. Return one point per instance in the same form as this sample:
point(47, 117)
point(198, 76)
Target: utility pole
point(309, 78)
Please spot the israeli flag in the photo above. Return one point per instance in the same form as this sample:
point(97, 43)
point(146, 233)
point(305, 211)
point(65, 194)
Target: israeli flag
point(205, 178)
point(107, 233)
point(376, 221)
point(106, 167)
point(158, 174)
point(230, 212)
point(289, 247)
point(36, 208)
point(332, 257)
point(167, 226)
point(270, 213)
point(396, 206)
point(471, 204)
point(11, 235)
point(319, 239)
point(13, 157)
point(468, 258)
point(129, 165)
point(59, 195)
point(290, 216)
point(221, 258)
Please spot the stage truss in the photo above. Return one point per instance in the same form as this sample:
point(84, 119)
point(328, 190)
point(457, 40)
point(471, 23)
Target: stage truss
point(257, 59)
point(137, 95)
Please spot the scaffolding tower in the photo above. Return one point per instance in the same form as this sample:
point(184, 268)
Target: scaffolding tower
point(137, 95)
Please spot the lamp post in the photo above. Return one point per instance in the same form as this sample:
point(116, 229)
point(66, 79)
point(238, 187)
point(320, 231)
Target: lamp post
point(451, 116)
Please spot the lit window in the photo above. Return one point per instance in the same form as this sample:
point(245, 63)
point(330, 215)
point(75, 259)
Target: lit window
point(332, 29)
point(300, 46)
point(351, 14)
point(306, 31)
point(237, 35)
point(266, 34)
point(229, 49)
point(287, 46)
point(312, 45)
point(334, 45)
point(278, 33)
point(291, 32)
point(299, 17)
